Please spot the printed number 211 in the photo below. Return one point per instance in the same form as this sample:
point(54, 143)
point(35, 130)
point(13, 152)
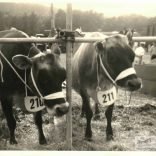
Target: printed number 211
point(108, 97)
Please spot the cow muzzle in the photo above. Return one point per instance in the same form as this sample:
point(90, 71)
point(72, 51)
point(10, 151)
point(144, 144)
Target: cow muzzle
point(133, 84)
point(128, 79)
point(56, 104)
point(59, 109)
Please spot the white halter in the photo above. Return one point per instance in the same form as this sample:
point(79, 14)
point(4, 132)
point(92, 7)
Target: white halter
point(52, 96)
point(123, 74)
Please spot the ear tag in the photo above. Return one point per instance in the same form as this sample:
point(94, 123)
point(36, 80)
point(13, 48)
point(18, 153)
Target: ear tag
point(33, 103)
point(107, 97)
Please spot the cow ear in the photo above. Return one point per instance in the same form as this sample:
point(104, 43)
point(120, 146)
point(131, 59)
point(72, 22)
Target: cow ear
point(99, 46)
point(22, 62)
point(56, 49)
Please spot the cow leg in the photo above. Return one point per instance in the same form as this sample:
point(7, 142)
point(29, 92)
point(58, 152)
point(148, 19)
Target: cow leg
point(109, 131)
point(97, 112)
point(11, 122)
point(89, 114)
point(83, 110)
point(38, 122)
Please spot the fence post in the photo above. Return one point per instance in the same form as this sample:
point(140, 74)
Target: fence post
point(69, 77)
point(148, 30)
point(52, 31)
point(153, 29)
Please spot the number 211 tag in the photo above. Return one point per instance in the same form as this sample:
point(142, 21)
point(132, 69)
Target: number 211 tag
point(107, 97)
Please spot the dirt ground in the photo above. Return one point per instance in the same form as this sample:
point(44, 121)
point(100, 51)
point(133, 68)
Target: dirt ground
point(27, 135)
point(130, 121)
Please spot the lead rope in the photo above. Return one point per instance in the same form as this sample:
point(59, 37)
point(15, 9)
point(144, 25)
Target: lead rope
point(1, 65)
point(34, 83)
point(98, 79)
point(25, 75)
point(130, 97)
point(26, 91)
point(106, 72)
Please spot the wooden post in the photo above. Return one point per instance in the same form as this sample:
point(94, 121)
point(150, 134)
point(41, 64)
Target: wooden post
point(148, 30)
point(52, 31)
point(153, 29)
point(69, 77)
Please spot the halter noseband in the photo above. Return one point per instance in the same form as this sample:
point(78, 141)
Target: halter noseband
point(56, 95)
point(121, 75)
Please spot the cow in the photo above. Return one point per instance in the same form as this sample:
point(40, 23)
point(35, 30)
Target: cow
point(101, 66)
point(24, 68)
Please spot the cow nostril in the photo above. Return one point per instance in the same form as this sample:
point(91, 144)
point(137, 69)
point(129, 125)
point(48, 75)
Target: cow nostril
point(61, 110)
point(134, 84)
point(58, 110)
point(131, 84)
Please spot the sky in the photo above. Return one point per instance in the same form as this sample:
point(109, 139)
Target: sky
point(107, 7)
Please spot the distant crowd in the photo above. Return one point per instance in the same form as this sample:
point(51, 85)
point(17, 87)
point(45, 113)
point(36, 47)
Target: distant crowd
point(141, 50)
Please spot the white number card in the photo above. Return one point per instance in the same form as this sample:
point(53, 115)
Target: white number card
point(33, 103)
point(107, 97)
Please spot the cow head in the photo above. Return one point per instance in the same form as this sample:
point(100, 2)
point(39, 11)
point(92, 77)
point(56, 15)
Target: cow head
point(117, 56)
point(48, 75)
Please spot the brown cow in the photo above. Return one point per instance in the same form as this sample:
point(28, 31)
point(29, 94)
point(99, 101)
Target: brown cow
point(103, 65)
point(43, 78)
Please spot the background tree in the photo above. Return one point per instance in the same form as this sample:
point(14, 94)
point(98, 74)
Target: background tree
point(35, 18)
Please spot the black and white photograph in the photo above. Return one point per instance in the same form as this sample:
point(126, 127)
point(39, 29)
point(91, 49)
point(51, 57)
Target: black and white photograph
point(78, 75)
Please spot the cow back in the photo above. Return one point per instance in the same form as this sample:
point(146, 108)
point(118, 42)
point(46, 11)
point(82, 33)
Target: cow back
point(84, 63)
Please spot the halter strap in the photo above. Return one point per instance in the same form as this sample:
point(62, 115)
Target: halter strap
point(52, 96)
point(122, 74)
point(56, 95)
point(34, 83)
point(125, 73)
point(106, 72)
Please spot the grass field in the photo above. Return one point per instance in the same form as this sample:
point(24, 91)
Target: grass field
point(130, 121)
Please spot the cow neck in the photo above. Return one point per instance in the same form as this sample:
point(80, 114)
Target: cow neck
point(121, 75)
point(15, 71)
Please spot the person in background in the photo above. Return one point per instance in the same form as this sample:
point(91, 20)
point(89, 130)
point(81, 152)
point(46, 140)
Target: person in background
point(136, 44)
point(139, 53)
point(152, 51)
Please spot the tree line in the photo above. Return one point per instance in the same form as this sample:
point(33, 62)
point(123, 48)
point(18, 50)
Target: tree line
point(33, 23)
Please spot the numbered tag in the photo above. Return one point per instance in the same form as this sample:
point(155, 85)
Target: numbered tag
point(107, 97)
point(33, 103)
